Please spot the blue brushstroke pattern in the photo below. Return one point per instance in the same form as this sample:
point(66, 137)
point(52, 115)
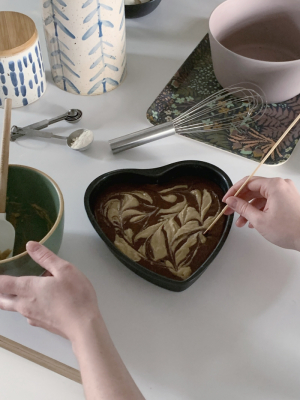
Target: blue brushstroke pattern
point(5, 91)
point(60, 13)
point(103, 82)
point(60, 78)
point(25, 61)
point(23, 90)
point(21, 76)
point(48, 20)
point(90, 16)
point(90, 31)
point(97, 27)
point(95, 48)
point(33, 68)
point(63, 28)
point(42, 87)
point(36, 79)
point(30, 57)
point(39, 91)
point(87, 3)
point(25, 102)
point(122, 21)
point(107, 44)
point(14, 79)
point(3, 80)
point(58, 53)
point(11, 66)
point(30, 84)
point(56, 40)
point(17, 93)
point(41, 73)
point(70, 69)
point(98, 74)
point(1, 68)
point(20, 65)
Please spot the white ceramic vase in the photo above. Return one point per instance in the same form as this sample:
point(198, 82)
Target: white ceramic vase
point(86, 44)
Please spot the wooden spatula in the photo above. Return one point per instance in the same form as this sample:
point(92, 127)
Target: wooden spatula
point(7, 231)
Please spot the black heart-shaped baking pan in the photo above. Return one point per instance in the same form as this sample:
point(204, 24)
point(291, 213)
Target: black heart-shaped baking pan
point(160, 176)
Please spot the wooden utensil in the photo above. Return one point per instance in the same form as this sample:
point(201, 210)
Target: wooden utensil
point(256, 169)
point(7, 231)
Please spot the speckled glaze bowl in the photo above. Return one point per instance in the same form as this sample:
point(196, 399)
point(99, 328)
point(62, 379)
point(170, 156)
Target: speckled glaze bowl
point(158, 175)
point(258, 42)
point(35, 206)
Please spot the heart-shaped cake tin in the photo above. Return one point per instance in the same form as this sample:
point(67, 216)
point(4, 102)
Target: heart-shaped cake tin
point(158, 176)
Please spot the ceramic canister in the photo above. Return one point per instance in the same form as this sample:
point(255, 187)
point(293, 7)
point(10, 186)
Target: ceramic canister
point(22, 74)
point(86, 44)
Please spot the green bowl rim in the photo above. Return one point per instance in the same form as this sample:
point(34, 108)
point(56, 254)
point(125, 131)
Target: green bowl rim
point(59, 217)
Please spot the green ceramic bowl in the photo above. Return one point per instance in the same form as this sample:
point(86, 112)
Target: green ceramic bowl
point(35, 207)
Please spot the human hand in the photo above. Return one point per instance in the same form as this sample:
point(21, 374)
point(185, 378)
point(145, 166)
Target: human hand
point(272, 207)
point(61, 301)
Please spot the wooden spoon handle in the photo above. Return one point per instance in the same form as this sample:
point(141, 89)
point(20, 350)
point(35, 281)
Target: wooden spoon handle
point(5, 154)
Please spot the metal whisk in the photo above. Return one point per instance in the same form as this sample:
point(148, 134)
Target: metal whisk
point(230, 107)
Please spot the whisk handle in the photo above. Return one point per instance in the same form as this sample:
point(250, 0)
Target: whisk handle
point(142, 137)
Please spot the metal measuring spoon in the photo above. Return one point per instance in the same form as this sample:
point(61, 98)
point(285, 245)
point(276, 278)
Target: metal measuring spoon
point(70, 139)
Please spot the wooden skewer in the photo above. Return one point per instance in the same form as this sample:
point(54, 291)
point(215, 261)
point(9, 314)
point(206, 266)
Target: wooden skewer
point(256, 169)
point(5, 154)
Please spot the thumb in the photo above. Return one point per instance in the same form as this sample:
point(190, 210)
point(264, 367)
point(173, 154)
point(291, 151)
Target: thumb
point(245, 209)
point(44, 257)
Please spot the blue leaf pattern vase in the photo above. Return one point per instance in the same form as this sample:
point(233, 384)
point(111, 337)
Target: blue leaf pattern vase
point(86, 44)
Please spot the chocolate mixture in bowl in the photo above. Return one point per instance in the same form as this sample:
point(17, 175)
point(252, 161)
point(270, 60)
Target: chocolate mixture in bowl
point(160, 226)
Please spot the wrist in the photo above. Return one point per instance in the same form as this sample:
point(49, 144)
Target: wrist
point(86, 331)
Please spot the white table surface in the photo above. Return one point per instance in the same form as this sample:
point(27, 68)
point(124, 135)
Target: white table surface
point(234, 334)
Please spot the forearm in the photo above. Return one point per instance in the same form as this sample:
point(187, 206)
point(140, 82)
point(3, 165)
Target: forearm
point(104, 374)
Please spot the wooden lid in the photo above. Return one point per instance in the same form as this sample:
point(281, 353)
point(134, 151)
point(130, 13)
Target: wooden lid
point(17, 33)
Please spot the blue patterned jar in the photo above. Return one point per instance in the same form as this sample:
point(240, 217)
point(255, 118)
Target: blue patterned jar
point(86, 44)
point(22, 74)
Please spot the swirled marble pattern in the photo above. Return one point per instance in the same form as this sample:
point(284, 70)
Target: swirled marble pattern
point(161, 226)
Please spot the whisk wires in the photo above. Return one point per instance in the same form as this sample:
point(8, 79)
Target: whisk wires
point(230, 107)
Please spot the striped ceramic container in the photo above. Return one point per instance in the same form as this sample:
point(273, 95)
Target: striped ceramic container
point(22, 74)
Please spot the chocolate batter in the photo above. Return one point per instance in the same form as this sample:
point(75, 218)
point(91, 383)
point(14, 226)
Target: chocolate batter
point(161, 226)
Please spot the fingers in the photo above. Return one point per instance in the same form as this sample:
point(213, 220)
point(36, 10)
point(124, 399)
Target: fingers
point(7, 303)
point(257, 187)
point(232, 191)
point(44, 257)
point(10, 285)
point(245, 209)
point(257, 203)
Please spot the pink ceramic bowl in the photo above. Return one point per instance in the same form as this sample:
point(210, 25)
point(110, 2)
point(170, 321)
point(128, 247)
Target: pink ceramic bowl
point(258, 41)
